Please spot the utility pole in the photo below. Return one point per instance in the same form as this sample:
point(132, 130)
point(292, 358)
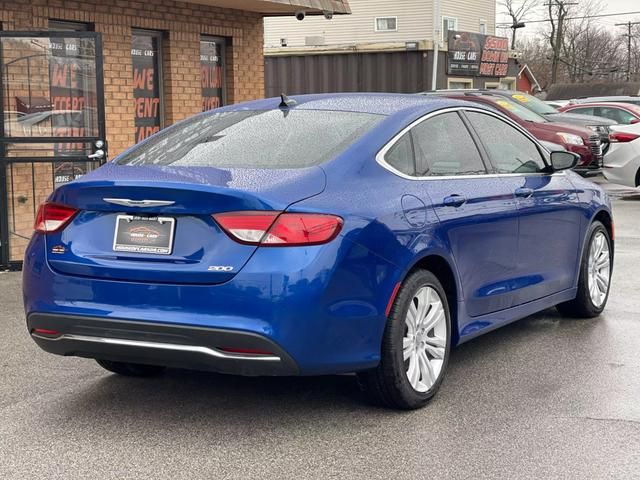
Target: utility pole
point(557, 33)
point(628, 35)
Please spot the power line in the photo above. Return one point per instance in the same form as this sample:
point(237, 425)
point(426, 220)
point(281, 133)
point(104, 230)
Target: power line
point(575, 18)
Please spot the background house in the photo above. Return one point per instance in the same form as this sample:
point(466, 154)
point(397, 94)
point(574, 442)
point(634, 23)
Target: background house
point(381, 46)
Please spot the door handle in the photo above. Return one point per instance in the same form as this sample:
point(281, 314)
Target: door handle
point(454, 201)
point(524, 192)
point(98, 155)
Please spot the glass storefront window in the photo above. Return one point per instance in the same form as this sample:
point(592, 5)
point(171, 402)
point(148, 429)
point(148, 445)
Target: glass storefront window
point(212, 72)
point(145, 55)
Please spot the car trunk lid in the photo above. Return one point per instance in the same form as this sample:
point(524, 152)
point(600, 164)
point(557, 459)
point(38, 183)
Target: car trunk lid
point(165, 231)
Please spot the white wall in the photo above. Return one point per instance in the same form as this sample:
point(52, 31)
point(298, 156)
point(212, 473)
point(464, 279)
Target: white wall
point(414, 22)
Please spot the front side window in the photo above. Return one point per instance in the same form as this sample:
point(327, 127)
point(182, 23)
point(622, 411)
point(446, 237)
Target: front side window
point(444, 146)
point(621, 117)
point(510, 150)
point(271, 139)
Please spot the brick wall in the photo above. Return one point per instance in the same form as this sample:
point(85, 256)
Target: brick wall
point(182, 23)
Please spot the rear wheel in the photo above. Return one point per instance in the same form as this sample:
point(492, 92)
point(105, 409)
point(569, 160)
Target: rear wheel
point(131, 369)
point(415, 346)
point(595, 276)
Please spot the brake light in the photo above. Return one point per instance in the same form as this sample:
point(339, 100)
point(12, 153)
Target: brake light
point(622, 137)
point(52, 217)
point(275, 229)
point(46, 331)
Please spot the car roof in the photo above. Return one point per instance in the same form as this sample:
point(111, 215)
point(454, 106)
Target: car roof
point(626, 106)
point(373, 103)
point(494, 91)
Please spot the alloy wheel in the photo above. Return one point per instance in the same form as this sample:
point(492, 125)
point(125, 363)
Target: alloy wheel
point(599, 269)
point(425, 339)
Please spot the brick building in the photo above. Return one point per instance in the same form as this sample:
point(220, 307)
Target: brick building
point(152, 63)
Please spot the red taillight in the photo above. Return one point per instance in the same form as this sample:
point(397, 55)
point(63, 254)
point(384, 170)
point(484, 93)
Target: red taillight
point(275, 229)
point(622, 137)
point(52, 217)
point(46, 331)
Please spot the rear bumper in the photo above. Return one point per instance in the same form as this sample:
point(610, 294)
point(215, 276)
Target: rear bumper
point(151, 343)
point(322, 305)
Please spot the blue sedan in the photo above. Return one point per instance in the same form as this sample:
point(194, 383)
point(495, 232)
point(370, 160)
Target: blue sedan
point(317, 235)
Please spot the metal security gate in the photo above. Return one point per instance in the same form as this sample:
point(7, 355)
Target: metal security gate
point(52, 127)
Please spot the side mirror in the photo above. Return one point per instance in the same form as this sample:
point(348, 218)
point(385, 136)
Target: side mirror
point(564, 160)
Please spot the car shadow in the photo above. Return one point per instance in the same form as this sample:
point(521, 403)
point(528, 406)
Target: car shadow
point(209, 398)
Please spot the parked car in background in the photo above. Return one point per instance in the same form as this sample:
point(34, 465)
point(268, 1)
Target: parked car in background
point(557, 103)
point(580, 140)
point(635, 99)
point(599, 125)
point(620, 113)
point(317, 235)
point(622, 163)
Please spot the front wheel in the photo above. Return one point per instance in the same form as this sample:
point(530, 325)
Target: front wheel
point(595, 276)
point(415, 346)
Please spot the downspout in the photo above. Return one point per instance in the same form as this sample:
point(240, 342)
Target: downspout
point(436, 43)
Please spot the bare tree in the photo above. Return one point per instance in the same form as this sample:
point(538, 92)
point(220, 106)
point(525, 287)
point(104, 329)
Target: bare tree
point(558, 12)
point(517, 10)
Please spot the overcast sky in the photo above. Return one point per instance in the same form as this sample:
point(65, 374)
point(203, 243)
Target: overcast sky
point(611, 6)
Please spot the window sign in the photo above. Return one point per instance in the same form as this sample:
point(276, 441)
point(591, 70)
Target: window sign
point(145, 55)
point(212, 72)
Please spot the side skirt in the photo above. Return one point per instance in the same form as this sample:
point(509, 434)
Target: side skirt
point(475, 326)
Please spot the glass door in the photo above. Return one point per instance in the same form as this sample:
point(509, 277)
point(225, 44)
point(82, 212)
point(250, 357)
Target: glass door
point(52, 127)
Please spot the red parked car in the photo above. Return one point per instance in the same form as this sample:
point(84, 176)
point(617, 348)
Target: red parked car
point(621, 113)
point(582, 141)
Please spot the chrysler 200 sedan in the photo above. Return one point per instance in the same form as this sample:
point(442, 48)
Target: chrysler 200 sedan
point(318, 235)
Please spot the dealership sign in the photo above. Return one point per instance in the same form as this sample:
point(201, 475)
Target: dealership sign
point(476, 55)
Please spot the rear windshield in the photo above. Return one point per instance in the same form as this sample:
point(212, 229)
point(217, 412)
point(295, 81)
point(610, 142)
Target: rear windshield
point(270, 139)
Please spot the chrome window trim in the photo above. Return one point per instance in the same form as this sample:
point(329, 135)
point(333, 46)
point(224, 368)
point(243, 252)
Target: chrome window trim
point(380, 156)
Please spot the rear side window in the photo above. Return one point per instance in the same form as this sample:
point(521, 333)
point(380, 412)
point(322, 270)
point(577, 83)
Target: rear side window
point(510, 150)
point(582, 110)
point(400, 156)
point(273, 139)
point(444, 146)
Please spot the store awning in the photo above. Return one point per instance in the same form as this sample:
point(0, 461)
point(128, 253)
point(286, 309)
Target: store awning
point(281, 7)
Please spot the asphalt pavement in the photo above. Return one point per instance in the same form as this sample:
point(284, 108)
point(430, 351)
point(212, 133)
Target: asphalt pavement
point(543, 398)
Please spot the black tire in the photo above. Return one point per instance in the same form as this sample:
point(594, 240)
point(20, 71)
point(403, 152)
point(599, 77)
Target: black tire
point(582, 306)
point(131, 369)
point(387, 384)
